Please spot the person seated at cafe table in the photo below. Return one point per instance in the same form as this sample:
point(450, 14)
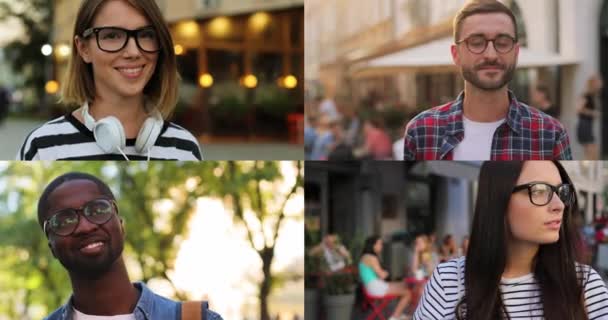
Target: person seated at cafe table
point(373, 277)
point(335, 254)
point(424, 258)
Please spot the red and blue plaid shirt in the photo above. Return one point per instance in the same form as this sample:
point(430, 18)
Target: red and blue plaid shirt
point(527, 134)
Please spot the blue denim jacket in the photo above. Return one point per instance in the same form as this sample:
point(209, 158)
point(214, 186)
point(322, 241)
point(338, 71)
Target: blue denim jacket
point(149, 307)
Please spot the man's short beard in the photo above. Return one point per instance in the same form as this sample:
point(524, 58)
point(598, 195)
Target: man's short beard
point(92, 269)
point(470, 75)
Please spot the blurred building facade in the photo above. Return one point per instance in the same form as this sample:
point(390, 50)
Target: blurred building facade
point(349, 47)
point(241, 62)
point(398, 200)
point(395, 200)
point(589, 178)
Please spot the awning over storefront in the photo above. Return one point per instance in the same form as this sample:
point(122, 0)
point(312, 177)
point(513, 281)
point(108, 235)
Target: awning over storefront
point(435, 56)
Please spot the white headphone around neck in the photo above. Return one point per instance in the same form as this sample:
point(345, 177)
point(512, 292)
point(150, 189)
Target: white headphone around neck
point(110, 135)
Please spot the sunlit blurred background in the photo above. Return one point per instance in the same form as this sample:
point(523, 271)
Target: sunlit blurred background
point(241, 63)
point(185, 236)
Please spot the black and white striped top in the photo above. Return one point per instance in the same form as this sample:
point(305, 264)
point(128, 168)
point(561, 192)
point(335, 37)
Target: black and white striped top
point(66, 138)
point(521, 296)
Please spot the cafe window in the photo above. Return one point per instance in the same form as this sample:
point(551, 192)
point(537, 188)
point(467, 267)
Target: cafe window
point(225, 65)
point(267, 66)
point(186, 64)
point(265, 29)
point(224, 30)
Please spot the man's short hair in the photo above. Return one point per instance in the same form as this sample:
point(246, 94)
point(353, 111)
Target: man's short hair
point(43, 202)
point(474, 7)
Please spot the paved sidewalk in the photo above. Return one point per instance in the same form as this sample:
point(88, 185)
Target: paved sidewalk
point(12, 135)
point(14, 131)
point(257, 151)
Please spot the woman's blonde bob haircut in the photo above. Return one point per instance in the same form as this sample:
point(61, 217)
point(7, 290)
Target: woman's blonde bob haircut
point(161, 90)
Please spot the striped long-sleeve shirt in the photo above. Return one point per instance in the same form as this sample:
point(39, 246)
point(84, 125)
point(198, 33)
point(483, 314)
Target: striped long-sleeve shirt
point(521, 296)
point(66, 138)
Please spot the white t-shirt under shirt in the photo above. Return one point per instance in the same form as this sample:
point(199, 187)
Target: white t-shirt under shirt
point(398, 147)
point(477, 142)
point(521, 296)
point(81, 316)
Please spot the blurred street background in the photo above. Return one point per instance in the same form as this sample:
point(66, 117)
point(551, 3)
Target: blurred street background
point(241, 64)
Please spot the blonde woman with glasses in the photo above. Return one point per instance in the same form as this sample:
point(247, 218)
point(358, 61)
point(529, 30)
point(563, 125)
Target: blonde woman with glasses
point(123, 75)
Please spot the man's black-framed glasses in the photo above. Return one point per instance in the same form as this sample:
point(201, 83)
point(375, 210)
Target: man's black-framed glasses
point(477, 44)
point(541, 193)
point(64, 222)
point(114, 39)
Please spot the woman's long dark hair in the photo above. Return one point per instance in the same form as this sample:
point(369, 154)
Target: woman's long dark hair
point(368, 246)
point(554, 265)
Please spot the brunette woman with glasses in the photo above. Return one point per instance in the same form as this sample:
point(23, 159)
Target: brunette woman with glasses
point(522, 258)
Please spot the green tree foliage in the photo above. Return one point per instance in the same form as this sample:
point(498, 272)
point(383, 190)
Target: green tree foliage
point(245, 188)
point(28, 274)
point(154, 236)
point(32, 282)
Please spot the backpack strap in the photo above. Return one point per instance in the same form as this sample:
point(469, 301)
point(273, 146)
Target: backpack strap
point(194, 310)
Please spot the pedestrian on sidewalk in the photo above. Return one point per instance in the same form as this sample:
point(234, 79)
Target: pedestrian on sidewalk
point(588, 110)
point(5, 101)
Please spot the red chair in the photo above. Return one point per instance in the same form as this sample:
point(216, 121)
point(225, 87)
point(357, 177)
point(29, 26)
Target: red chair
point(376, 303)
point(295, 123)
point(417, 287)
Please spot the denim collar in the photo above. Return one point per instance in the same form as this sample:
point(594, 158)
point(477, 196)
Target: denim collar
point(143, 309)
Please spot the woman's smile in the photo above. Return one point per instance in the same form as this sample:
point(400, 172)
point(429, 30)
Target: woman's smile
point(131, 72)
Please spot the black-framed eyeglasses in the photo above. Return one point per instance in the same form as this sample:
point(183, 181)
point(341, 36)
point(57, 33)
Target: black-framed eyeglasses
point(114, 39)
point(64, 222)
point(477, 44)
point(541, 193)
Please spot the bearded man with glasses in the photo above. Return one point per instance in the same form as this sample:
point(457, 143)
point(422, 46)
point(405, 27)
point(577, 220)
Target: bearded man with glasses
point(80, 218)
point(485, 122)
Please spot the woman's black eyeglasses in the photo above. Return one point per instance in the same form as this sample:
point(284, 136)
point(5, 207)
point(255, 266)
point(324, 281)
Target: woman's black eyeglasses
point(114, 39)
point(541, 193)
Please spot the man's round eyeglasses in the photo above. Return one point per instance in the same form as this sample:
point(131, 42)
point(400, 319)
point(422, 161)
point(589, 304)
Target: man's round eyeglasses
point(64, 222)
point(541, 193)
point(114, 39)
point(477, 44)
